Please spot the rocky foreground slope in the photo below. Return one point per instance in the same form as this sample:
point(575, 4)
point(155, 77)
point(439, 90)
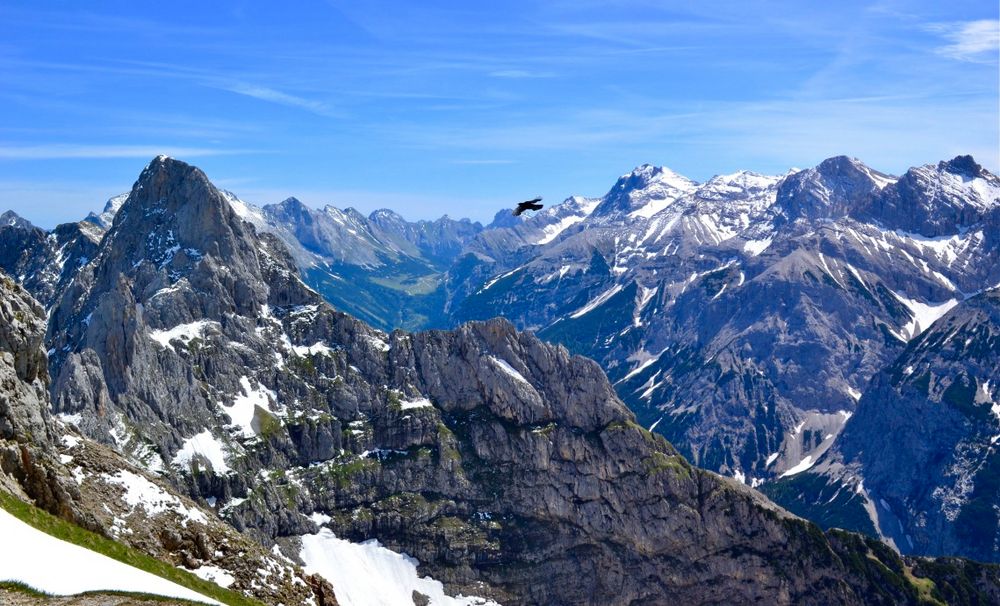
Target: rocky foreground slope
point(508, 467)
point(76, 479)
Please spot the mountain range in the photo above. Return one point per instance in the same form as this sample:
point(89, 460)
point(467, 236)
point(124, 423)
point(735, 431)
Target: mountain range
point(742, 318)
point(758, 323)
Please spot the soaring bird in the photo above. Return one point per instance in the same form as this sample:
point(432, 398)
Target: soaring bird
point(528, 205)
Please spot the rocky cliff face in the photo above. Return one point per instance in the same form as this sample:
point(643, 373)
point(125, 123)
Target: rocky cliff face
point(919, 458)
point(27, 435)
point(506, 466)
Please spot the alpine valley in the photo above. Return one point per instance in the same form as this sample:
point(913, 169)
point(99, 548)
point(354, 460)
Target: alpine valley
point(233, 391)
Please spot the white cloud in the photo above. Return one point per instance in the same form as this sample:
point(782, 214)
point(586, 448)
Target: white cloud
point(970, 40)
point(520, 74)
point(481, 162)
point(276, 96)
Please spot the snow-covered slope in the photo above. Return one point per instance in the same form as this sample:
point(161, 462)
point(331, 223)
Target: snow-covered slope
point(368, 574)
point(54, 566)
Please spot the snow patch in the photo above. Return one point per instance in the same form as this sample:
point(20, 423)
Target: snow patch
point(184, 332)
point(803, 465)
point(923, 314)
point(600, 300)
point(39, 556)
point(368, 574)
point(418, 403)
point(318, 347)
point(206, 445)
point(755, 247)
point(244, 406)
point(140, 492)
point(214, 574)
point(509, 370)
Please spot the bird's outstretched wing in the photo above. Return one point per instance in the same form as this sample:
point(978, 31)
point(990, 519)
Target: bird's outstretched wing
point(532, 204)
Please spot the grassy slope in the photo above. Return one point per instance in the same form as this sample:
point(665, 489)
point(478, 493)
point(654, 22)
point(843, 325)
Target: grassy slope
point(72, 533)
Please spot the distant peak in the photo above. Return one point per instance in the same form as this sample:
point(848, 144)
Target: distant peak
point(744, 179)
point(12, 219)
point(291, 202)
point(962, 165)
point(840, 164)
point(650, 173)
point(647, 175)
point(385, 214)
point(166, 168)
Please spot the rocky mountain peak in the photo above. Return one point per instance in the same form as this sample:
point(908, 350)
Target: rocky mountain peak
point(963, 165)
point(176, 255)
point(938, 200)
point(172, 218)
point(12, 219)
point(833, 189)
point(644, 191)
point(290, 210)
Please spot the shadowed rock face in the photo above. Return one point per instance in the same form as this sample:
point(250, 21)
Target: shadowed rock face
point(505, 465)
point(920, 451)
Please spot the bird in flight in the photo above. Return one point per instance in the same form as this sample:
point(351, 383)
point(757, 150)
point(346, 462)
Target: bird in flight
point(528, 205)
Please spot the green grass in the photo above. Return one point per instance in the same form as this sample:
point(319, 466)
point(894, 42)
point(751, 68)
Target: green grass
point(28, 590)
point(61, 529)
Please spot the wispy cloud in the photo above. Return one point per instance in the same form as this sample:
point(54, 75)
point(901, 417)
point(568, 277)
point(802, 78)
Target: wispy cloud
point(970, 40)
point(202, 77)
point(276, 96)
point(60, 151)
point(520, 74)
point(482, 162)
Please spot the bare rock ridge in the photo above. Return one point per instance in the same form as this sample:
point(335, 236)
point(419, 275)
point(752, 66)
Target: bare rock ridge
point(508, 467)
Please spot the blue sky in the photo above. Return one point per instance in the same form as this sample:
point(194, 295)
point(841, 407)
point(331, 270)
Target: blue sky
point(433, 107)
